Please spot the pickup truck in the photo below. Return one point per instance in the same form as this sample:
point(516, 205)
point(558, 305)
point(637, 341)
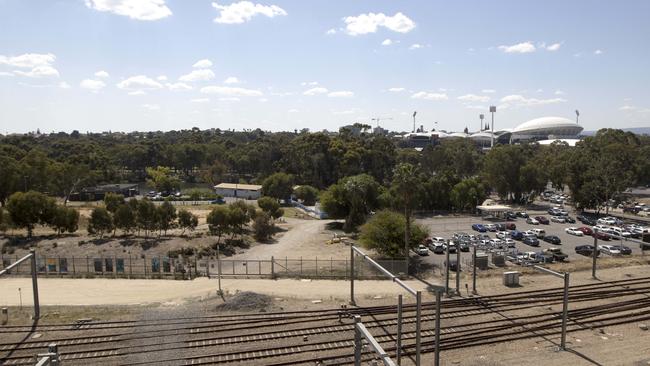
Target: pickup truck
point(557, 254)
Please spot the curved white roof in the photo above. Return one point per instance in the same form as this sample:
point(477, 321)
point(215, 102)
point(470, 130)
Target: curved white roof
point(458, 134)
point(547, 123)
point(570, 142)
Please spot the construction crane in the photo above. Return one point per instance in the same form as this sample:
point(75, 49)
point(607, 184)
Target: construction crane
point(379, 119)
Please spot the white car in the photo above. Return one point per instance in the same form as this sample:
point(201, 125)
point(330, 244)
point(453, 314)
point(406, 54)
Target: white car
point(609, 249)
point(607, 221)
point(503, 235)
point(559, 219)
point(602, 228)
point(490, 227)
point(422, 250)
point(620, 232)
point(573, 231)
point(540, 233)
point(438, 239)
point(529, 233)
point(509, 242)
point(495, 242)
point(532, 221)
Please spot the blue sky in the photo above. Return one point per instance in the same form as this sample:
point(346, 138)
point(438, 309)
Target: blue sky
point(124, 65)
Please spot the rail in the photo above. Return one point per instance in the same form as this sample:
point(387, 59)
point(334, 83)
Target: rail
point(359, 331)
point(32, 257)
point(565, 299)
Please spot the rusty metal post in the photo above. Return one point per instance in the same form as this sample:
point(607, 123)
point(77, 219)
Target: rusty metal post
point(37, 306)
point(352, 275)
point(399, 329)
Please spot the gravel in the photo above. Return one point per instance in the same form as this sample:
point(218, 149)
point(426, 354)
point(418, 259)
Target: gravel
point(246, 301)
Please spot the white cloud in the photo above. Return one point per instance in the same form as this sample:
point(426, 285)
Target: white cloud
point(38, 72)
point(429, 96)
point(415, 46)
point(231, 80)
point(162, 78)
point(4, 73)
point(134, 9)
point(198, 75)
point(477, 107)
point(203, 64)
point(598, 52)
point(474, 98)
point(627, 108)
point(102, 74)
point(396, 90)
point(243, 11)
point(263, 100)
point(524, 47)
point(229, 99)
point(554, 47)
point(93, 85)
point(64, 85)
point(178, 86)
point(231, 91)
point(331, 31)
point(293, 110)
point(520, 100)
point(139, 82)
point(341, 94)
point(559, 92)
point(387, 42)
point(151, 107)
point(137, 93)
point(28, 60)
point(309, 83)
point(370, 22)
point(315, 91)
point(200, 100)
point(488, 91)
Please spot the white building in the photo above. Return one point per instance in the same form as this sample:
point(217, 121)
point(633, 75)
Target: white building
point(546, 128)
point(245, 191)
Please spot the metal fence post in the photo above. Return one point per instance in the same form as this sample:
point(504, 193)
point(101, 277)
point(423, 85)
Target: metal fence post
point(272, 267)
point(474, 271)
point(447, 271)
point(436, 361)
point(399, 329)
point(300, 266)
point(594, 255)
point(37, 306)
point(357, 341)
point(565, 310)
point(418, 326)
point(457, 268)
point(352, 275)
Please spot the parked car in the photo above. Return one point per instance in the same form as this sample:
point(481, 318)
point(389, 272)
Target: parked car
point(574, 231)
point(570, 219)
point(532, 241)
point(587, 250)
point(625, 250)
point(496, 243)
point(464, 246)
point(532, 221)
point(558, 219)
point(479, 227)
point(490, 227)
point(553, 211)
point(587, 220)
point(586, 230)
point(503, 234)
point(610, 249)
point(606, 221)
point(522, 214)
point(620, 232)
point(542, 220)
point(510, 226)
point(511, 215)
point(529, 233)
point(528, 257)
point(501, 227)
point(509, 242)
point(601, 235)
point(439, 248)
point(451, 248)
point(218, 201)
point(553, 239)
point(516, 235)
point(422, 250)
point(601, 227)
point(539, 232)
point(556, 253)
point(453, 265)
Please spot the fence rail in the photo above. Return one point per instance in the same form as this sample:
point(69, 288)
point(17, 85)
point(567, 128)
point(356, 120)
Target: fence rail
point(188, 268)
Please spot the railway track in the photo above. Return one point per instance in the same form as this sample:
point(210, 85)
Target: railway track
point(279, 337)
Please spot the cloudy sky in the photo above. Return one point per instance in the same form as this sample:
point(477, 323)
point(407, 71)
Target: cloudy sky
point(124, 65)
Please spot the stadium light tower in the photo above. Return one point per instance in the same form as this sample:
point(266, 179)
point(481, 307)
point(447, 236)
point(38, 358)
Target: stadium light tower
point(414, 113)
point(577, 115)
point(481, 116)
point(493, 109)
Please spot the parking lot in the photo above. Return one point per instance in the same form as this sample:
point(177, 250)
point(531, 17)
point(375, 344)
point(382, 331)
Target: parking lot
point(446, 226)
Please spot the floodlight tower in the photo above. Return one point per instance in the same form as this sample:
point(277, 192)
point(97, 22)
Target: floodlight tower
point(414, 113)
point(481, 116)
point(493, 109)
point(577, 115)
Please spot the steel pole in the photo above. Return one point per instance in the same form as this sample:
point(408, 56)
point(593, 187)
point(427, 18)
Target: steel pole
point(437, 345)
point(458, 268)
point(565, 310)
point(357, 342)
point(219, 269)
point(352, 275)
point(474, 271)
point(418, 326)
point(447, 271)
point(399, 329)
point(594, 255)
point(37, 306)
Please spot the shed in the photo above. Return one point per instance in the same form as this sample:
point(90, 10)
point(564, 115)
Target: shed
point(237, 190)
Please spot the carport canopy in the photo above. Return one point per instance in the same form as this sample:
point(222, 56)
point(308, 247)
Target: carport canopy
point(495, 210)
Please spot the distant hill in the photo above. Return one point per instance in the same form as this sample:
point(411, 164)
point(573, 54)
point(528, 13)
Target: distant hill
point(636, 130)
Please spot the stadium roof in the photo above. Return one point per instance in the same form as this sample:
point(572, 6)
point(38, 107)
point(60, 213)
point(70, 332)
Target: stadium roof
point(547, 123)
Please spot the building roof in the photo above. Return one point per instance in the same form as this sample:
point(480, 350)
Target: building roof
point(246, 187)
point(570, 142)
point(547, 123)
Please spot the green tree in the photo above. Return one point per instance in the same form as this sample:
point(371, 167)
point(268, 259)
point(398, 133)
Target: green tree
point(352, 198)
point(112, 201)
point(162, 179)
point(166, 215)
point(28, 209)
point(406, 187)
point(187, 220)
point(9, 178)
point(219, 222)
point(5, 220)
point(467, 194)
point(307, 194)
point(146, 216)
point(100, 222)
point(241, 213)
point(263, 226)
point(270, 206)
point(124, 217)
point(66, 219)
point(385, 232)
point(278, 185)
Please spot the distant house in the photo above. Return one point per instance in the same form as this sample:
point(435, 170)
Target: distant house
point(97, 193)
point(245, 191)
